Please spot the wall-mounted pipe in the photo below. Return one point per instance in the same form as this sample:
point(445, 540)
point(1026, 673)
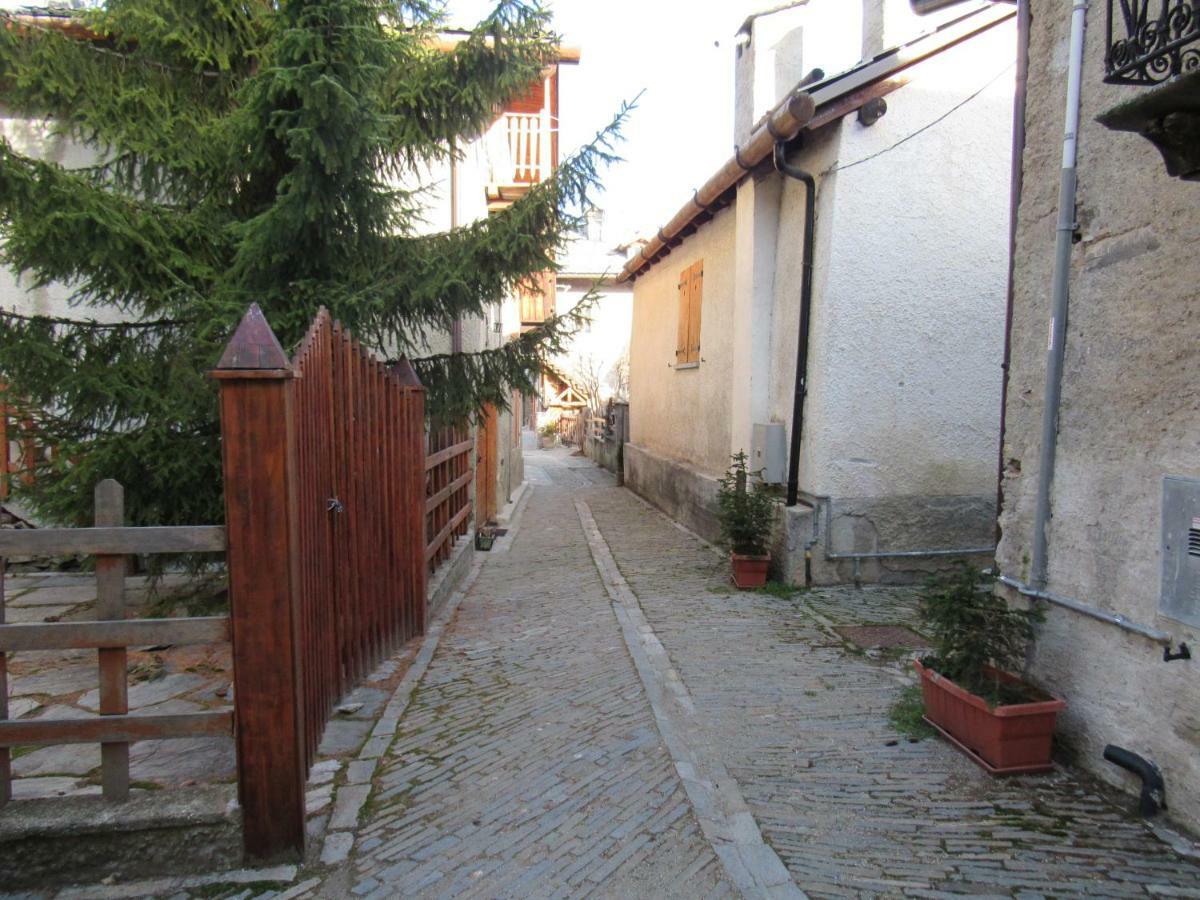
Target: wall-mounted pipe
point(1154, 789)
point(1159, 637)
point(801, 383)
point(1059, 303)
point(823, 500)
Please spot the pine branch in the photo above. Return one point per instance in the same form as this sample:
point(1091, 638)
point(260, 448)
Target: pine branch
point(161, 118)
point(91, 323)
point(503, 55)
point(427, 281)
point(458, 385)
point(115, 249)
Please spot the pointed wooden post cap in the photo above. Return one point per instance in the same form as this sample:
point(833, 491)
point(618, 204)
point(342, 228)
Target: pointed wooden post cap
point(406, 374)
point(253, 348)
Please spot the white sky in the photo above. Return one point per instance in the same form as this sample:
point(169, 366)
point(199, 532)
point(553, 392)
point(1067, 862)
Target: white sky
point(680, 52)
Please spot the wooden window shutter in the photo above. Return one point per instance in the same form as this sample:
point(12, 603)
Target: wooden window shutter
point(681, 334)
point(696, 293)
point(691, 293)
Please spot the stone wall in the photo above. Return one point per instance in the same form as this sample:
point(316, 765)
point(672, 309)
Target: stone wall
point(1130, 415)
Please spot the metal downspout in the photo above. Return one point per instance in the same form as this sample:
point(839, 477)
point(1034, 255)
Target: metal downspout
point(810, 222)
point(1060, 299)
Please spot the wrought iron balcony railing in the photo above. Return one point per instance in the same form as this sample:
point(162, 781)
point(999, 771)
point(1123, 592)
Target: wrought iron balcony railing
point(1148, 40)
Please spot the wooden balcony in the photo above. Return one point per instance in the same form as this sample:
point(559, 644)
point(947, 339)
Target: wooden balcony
point(522, 144)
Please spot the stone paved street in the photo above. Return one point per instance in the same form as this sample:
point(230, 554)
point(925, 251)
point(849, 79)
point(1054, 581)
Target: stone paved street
point(529, 762)
point(604, 716)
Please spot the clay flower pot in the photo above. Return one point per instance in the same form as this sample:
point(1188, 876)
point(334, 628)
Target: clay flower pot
point(1005, 740)
point(749, 571)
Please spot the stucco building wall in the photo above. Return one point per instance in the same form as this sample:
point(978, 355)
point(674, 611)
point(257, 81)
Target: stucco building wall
point(683, 414)
point(901, 422)
point(1130, 415)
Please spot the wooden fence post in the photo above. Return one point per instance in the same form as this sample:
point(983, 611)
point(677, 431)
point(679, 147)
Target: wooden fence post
point(110, 604)
point(258, 450)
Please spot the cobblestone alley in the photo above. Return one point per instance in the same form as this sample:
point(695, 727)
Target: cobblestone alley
point(603, 715)
point(604, 711)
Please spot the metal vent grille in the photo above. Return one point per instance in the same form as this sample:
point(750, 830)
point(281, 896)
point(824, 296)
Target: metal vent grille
point(1181, 549)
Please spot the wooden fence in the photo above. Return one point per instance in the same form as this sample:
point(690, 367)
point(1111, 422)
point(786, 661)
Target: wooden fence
point(324, 468)
point(336, 509)
point(111, 636)
point(448, 474)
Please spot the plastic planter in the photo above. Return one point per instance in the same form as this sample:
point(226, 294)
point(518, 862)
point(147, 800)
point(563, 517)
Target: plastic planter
point(1005, 740)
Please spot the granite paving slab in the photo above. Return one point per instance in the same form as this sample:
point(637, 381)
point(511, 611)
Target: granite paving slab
point(71, 677)
point(62, 759)
point(149, 693)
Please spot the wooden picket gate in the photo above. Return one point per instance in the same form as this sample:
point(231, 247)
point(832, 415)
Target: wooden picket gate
point(325, 503)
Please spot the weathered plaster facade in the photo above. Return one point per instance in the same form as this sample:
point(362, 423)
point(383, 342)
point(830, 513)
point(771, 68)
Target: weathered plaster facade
point(1130, 415)
point(902, 415)
point(683, 414)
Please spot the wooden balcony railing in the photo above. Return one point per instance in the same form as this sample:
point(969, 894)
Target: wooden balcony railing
point(521, 148)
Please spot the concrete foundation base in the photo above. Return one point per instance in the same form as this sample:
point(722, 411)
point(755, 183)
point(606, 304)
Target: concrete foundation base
point(855, 525)
point(80, 839)
point(604, 453)
point(448, 576)
point(684, 494)
point(880, 525)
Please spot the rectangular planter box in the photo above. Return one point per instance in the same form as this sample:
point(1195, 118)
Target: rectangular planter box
point(749, 571)
point(1005, 740)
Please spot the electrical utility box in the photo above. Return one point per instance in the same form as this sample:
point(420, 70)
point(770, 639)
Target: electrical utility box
point(768, 452)
point(1181, 550)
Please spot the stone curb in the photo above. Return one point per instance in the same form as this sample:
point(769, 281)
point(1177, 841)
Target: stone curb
point(158, 886)
point(724, 817)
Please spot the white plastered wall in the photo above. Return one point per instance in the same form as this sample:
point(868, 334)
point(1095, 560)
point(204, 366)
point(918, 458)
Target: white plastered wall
point(684, 414)
point(908, 312)
point(38, 138)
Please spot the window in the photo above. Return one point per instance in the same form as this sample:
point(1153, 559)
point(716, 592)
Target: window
point(687, 341)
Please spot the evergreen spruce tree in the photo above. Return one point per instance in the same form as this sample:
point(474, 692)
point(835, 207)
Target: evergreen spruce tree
point(250, 151)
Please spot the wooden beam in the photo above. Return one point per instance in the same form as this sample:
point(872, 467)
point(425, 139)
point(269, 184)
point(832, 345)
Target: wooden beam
point(445, 532)
point(110, 604)
point(259, 459)
point(5, 754)
point(843, 106)
point(108, 633)
point(112, 541)
point(440, 496)
point(115, 729)
point(450, 452)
